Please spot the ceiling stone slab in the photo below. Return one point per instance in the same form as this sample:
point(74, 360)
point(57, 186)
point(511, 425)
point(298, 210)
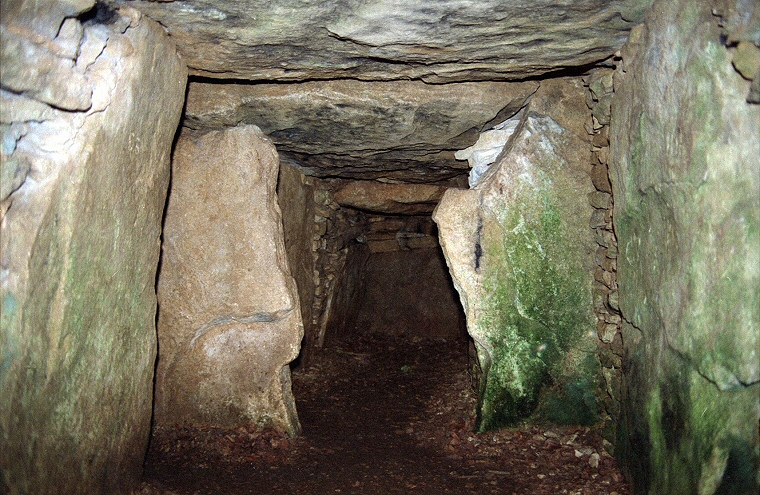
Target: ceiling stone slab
point(401, 130)
point(394, 199)
point(436, 41)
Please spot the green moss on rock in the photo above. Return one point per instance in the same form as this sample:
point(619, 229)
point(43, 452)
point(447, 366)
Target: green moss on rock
point(685, 173)
point(537, 319)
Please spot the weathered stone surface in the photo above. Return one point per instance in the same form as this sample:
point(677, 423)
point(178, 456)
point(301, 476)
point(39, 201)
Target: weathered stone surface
point(42, 18)
point(564, 100)
point(487, 148)
point(522, 257)
point(229, 320)
point(296, 199)
point(408, 292)
point(561, 98)
point(407, 199)
point(453, 40)
point(80, 246)
point(686, 176)
point(404, 130)
point(37, 71)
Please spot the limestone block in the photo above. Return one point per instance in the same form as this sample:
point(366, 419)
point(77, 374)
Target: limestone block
point(686, 176)
point(395, 199)
point(229, 318)
point(437, 42)
point(487, 148)
point(43, 18)
point(521, 256)
point(80, 241)
point(362, 129)
point(36, 70)
point(561, 98)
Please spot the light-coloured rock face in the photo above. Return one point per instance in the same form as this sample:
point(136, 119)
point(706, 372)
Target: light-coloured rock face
point(229, 321)
point(404, 130)
point(444, 41)
point(81, 223)
point(684, 162)
point(521, 256)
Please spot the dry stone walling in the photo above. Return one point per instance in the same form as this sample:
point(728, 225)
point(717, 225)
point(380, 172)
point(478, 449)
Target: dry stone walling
point(85, 168)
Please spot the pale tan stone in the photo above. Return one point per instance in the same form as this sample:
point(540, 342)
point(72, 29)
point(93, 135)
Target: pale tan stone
point(408, 199)
point(229, 320)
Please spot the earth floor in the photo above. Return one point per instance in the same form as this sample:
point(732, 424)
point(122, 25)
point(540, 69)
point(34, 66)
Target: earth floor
point(384, 415)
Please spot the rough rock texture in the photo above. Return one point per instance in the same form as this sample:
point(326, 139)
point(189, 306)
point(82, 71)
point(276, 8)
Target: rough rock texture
point(408, 292)
point(521, 256)
point(452, 40)
point(405, 130)
point(295, 196)
point(229, 320)
point(343, 298)
point(605, 291)
point(395, 199)
point(80, 244)
point(686, 176)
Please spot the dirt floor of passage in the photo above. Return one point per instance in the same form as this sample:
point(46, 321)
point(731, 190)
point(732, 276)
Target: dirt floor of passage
point(384, 415)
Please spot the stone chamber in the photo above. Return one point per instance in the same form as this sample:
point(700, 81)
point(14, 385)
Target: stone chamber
point(198, 195)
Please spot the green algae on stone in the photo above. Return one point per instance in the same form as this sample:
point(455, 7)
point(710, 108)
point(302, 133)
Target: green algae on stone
point(685, 174)
point(535, 323)
point(537, 312)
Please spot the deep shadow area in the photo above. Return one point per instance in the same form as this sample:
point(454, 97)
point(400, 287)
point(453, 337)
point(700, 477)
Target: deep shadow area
point(384, 415)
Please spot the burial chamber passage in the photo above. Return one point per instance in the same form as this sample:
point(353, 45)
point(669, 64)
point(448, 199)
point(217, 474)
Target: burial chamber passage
point(354, 250)
point(91, 97)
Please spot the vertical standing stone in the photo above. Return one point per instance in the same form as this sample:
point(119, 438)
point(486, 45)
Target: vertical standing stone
point(686, 178)
point(229, 319)
point(521, 256)
point(80, 242)
point(296, 200)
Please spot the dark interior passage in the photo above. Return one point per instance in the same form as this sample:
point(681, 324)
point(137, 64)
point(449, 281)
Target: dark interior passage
point(385, 414)
point(399, 287)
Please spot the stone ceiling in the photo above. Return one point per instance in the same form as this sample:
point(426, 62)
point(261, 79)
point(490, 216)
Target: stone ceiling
point(384, 89)
point(396, 130)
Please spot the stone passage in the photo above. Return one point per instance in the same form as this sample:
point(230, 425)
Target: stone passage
point(371, 261)
point(649, 319)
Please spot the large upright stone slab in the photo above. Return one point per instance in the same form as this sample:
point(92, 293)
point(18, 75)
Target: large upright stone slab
point(83, 193)
point(520, 252)
point(686, 178)
point(229, 318)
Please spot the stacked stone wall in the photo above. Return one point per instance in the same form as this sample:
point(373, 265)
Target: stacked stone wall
point(599, 93)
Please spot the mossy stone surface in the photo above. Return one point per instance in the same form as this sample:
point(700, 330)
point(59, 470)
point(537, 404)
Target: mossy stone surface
point(80, 246)
point(525, 277)
point(686, 176)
